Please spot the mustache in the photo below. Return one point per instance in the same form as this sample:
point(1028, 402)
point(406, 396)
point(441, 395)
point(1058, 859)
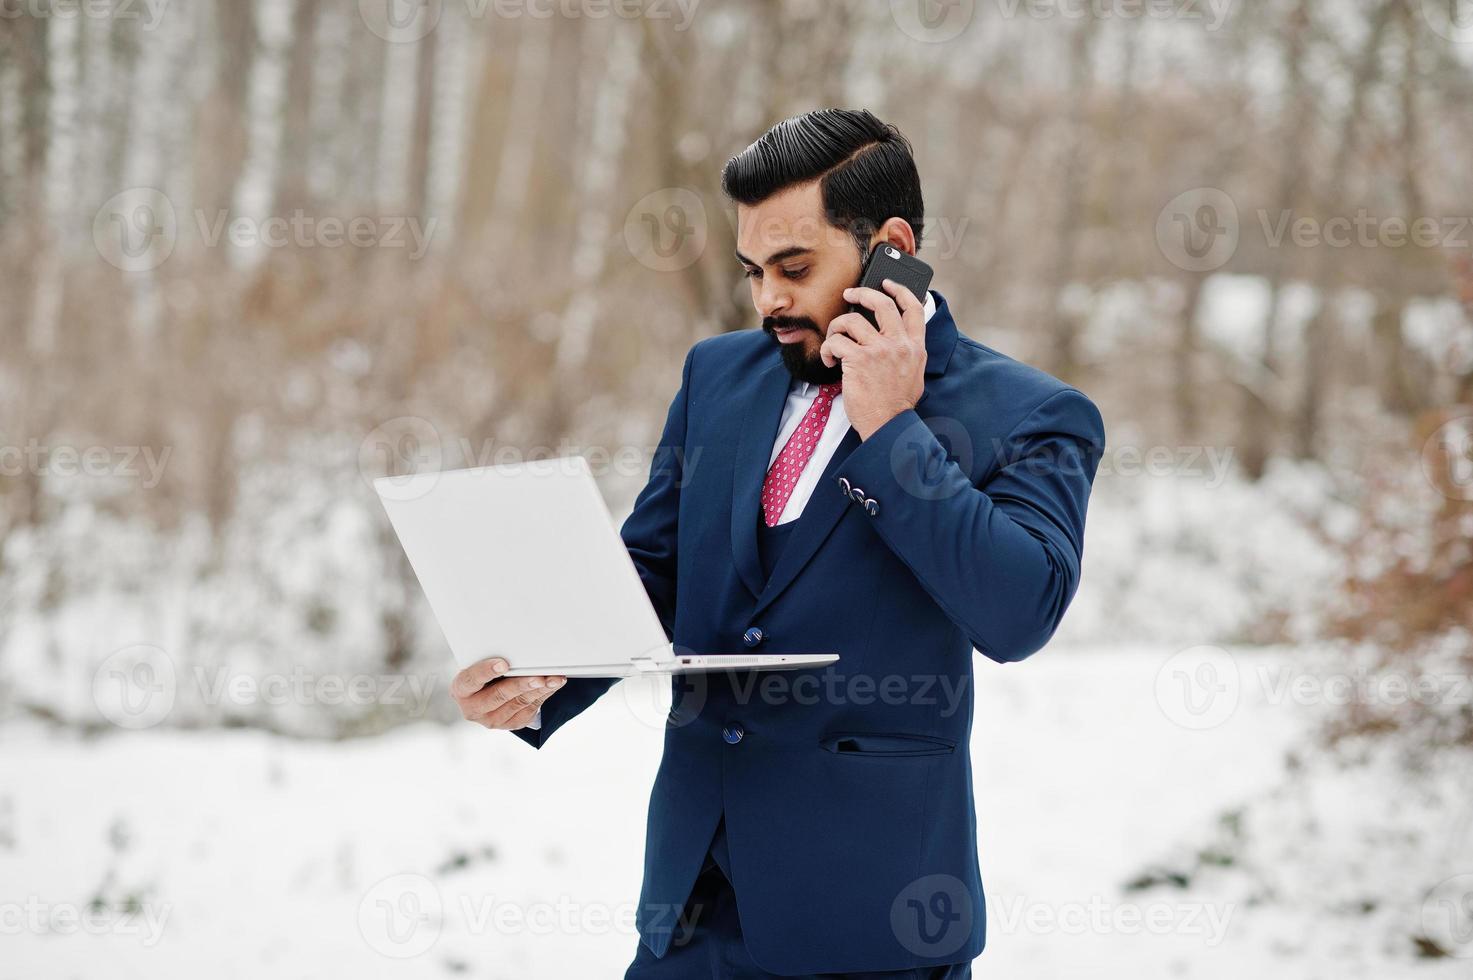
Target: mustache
point(773, 323)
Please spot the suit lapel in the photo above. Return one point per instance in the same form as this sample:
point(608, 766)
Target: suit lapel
point(764, 409)
point(822, 511)
point(754, 446)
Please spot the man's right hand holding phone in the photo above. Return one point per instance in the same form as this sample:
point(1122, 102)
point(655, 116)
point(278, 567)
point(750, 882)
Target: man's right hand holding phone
point(508, 703)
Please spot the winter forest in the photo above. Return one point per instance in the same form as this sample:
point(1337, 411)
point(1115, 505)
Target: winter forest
point(256, 253)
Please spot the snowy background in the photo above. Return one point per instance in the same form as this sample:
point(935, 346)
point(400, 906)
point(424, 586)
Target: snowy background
point(227, 740)
point(1137, 816)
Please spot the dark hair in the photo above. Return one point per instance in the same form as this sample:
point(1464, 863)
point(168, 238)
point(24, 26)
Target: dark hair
point(866, 171)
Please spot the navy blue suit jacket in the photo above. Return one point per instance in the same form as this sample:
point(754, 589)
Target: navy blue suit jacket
point(847, 789)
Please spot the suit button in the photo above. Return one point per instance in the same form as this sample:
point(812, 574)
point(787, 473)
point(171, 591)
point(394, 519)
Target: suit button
point(732, 733)
point(753, 636)
point(844, 485)
point(857, 494)
point(872, 506)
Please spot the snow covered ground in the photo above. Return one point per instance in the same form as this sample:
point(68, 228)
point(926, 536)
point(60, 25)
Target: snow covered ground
point(438, 851)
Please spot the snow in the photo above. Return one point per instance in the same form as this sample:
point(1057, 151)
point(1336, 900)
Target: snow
point(254, 854)
point(1179, 548)
point(1235, 308)
point(220, 838)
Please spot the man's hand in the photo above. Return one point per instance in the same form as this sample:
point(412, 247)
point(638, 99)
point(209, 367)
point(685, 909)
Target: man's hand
point(487, 698)
point(884, 369)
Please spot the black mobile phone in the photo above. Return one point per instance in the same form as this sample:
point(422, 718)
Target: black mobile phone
point(888, 262)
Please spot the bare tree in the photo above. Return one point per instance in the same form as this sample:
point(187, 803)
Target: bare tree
point(1063, 329)
point(1364, 73)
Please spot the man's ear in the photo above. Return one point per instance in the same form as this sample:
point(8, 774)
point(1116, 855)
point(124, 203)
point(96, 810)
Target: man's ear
point(895, 231)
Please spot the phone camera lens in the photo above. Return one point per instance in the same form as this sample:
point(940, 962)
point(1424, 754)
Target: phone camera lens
point(892, 253)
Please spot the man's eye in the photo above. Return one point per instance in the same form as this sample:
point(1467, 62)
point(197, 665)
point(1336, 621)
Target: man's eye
point(752, 272)
point(796, 273)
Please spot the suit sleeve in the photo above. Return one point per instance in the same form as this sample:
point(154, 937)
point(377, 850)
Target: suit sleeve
point(1002, 558)
point(649, 534)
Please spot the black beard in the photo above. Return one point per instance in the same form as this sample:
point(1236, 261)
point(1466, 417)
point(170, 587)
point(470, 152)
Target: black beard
point(795, 359)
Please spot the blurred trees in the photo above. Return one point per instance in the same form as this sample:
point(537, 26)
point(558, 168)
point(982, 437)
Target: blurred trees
point(564, 170)
point(1048, 143)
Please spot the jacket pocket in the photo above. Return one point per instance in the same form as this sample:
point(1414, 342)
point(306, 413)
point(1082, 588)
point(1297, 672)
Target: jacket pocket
point(885, 744)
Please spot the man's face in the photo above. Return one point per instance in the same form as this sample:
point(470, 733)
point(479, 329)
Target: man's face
point(798, 266)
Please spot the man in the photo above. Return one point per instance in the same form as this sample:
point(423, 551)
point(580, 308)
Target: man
point(897, 494)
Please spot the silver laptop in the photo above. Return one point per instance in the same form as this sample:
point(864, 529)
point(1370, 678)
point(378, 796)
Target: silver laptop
point(523, 561)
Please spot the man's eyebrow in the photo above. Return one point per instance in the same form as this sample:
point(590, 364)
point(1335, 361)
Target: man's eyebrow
point(786, 253)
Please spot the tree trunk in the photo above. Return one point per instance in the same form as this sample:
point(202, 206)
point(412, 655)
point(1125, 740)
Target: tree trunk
point(1260, 405)
point(1317, 350)
point(1063, 329)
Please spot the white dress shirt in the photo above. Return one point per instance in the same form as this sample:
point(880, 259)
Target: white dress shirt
point(800, 397)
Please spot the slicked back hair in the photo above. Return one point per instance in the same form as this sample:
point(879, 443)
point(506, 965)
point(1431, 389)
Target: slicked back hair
point(865, 169)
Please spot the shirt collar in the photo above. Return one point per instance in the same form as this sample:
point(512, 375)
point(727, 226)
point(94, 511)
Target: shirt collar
point(806, 388)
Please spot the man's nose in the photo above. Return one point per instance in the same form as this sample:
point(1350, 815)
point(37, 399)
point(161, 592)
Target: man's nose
point(772, 298)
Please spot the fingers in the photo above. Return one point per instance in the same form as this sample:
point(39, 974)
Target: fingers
point(836, 348)
point(524, 717)
point(887, 314)
point(517, 711)
point(912, 310)
point(855, 326)
point(476, 676)
point(482, 702)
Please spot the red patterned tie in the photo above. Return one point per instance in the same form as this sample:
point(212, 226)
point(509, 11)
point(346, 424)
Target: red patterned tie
point(788, 466)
